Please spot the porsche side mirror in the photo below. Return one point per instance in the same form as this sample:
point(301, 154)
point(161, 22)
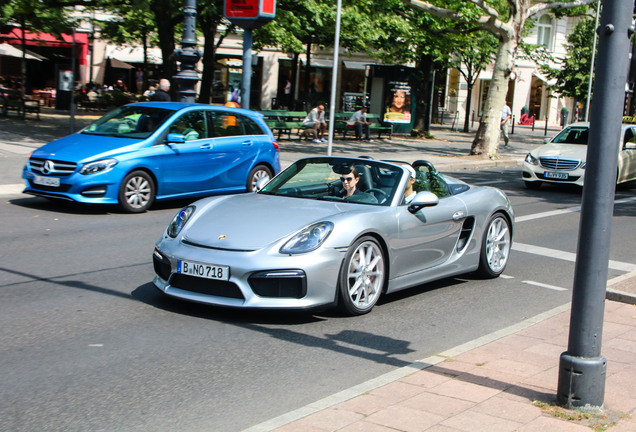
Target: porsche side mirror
point(546, 140)
point(421, 200)
point(630, 146)
point(175, 138)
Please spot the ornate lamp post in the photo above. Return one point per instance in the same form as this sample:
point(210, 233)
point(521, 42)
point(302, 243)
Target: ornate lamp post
point(188, 55)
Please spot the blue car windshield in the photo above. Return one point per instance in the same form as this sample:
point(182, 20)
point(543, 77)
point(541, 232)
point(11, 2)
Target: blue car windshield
point(137, 122)
point(324, 178)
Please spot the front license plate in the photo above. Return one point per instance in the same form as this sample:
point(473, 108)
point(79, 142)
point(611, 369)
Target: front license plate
point(208, 271)
point(556, 175)
point(47, 181)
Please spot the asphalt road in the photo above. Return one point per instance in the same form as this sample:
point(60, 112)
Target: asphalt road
point(88, 343)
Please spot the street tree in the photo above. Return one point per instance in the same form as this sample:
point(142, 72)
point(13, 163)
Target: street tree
point(470, 58)
point(215, 28)
point(506, 21)
point(131, 23)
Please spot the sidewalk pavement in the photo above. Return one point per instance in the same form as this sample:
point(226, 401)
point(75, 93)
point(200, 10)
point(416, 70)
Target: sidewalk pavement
point(505, 381)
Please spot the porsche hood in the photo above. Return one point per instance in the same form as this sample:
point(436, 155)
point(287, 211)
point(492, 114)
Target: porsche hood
point(249, 222)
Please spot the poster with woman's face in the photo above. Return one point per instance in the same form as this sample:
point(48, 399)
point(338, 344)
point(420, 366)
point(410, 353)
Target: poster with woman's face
point(398, 102)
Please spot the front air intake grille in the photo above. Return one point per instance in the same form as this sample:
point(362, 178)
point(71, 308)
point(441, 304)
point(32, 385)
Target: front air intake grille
point(279, 284)
point(60, 188)
point(559, 163)
point(213, 287)
point(51, 167)
point(162, 265)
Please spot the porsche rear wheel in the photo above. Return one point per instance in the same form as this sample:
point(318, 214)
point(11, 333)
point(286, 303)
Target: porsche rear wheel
point(495, 247)
point(362, 277)
point(137, 192)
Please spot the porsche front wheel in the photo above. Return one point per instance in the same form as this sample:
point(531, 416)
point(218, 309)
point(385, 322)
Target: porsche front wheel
point(495, 247)
point(362, 277)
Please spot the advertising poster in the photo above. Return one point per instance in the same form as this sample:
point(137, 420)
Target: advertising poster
point(398, 102)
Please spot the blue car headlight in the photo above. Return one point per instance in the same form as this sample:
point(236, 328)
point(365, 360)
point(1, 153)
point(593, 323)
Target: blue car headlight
point(98, 166)
point(308, 239)
point(531, 159)
point(179, 220)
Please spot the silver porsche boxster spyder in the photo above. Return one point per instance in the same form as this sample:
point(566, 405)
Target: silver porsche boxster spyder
point(333, 231)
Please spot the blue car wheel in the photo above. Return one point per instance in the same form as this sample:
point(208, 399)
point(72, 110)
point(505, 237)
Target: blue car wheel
point(137, 192)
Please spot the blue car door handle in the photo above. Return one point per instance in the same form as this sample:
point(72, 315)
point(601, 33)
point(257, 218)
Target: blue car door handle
point(247, 143)
point(207, 146)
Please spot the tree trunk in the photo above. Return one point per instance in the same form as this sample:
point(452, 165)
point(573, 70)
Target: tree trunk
point(486, 141)
point(307, 85)
point(165, 29)
point(469, 99)
point(208, 60)
point(423, 88)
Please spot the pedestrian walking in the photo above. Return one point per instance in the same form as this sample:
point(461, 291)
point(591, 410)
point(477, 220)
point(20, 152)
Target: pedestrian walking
point(506, 115)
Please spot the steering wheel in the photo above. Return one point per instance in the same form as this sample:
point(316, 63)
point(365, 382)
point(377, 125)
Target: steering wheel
point(379, 194)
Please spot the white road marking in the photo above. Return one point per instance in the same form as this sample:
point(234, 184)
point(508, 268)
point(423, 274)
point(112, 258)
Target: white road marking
point(486, 183)
point(11, 189)
point(567, 256)
point(542, 285)
point(565, 211)
point(506, 277)
point(547, 214)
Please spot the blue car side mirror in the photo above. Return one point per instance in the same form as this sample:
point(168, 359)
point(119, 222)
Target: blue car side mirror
point(175, 138)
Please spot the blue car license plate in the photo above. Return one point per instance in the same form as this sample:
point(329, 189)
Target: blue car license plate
point(207, 271)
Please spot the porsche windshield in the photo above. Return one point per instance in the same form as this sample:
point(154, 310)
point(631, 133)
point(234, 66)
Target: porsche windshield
point(338, 179)
point(129, 122)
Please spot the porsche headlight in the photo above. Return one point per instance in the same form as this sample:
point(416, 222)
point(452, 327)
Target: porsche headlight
point(308, 239)
point(98, 166)
point(179, 220)
point(531, 159)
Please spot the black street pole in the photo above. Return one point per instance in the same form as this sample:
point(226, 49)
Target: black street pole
point(188, 55)
point(582, 368)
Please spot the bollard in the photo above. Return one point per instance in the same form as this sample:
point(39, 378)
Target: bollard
point(533, 121)
point(545, 133)
point(513, 125)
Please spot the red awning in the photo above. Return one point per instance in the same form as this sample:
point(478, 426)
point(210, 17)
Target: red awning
point(14, 37)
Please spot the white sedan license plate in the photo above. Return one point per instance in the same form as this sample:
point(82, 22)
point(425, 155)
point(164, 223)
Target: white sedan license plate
point(208, 271)
point(556, 175)
point(47, 181)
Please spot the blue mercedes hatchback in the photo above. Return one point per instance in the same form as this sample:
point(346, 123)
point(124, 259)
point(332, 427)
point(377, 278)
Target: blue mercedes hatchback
point(151, 151)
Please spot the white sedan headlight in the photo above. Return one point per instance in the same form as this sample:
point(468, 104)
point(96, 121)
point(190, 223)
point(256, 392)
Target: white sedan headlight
point(179, 220)
point(308, 239)
point(531, 159)
point(98, 166)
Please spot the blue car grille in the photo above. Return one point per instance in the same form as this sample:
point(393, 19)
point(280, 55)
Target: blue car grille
point(559, 163)
point(52, 168)
point(61, 188)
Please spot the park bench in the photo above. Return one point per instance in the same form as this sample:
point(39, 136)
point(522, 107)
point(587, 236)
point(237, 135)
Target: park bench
point(283, 122)
point(376, 126)
point(12, 100)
